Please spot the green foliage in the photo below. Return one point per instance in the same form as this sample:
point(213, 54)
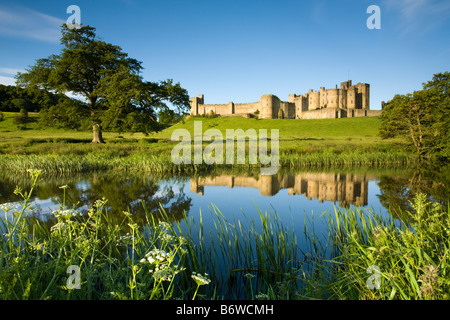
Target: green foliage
point(21, 119)
point(116, 259)
point(409, 258)
point(422, 118)
point(69, 114)
point(13, 99)
point(116, 96)
point(168, 116)
point(255, 259)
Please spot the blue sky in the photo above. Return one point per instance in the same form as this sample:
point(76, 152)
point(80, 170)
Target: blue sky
point(239, 50)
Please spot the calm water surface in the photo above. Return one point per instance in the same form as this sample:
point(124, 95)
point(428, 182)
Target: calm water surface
point(294, 196)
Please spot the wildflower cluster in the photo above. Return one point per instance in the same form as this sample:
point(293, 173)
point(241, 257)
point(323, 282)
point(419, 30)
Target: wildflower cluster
point(60, 227)
point(66, 213)
point(200, 279)
point(161, 263)
point(156, 256)
point(262, 296)
point(124, 240)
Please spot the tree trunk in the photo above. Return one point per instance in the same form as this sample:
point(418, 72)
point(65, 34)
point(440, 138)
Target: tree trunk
point(97, 130)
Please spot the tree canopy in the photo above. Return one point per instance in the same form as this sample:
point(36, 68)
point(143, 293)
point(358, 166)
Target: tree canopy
point(422, 118)
point(115, 95)
point(13, 99)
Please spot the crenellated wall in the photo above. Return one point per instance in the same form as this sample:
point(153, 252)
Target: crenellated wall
point(348, 101)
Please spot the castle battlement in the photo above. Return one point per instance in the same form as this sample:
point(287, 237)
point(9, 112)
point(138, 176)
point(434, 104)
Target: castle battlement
point(347, 101)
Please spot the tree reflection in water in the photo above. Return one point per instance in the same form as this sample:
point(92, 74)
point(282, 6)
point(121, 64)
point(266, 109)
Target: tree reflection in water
point(127, 192)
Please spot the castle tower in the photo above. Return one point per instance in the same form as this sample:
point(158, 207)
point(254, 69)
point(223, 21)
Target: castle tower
point(323, 98)
point(267, 106)
point(363, 96)
point(314, 100)
point(351, 98)
point(332, 98)
point(195, 102)
point(346, 85)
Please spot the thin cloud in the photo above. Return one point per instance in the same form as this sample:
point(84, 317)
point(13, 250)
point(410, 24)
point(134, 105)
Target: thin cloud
point(10, 71)
point(419, 16)
point(19, 22)
point(7, 81)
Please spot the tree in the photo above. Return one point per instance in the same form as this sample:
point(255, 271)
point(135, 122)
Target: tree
point(422, 118)
point(13, 98)
point(115, 94)
point(21, 119)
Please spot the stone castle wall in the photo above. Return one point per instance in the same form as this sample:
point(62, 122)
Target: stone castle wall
point(348, 101)
point(343, 188)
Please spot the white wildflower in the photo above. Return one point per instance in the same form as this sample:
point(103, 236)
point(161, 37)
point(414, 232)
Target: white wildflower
point(100, 203)
point(157, 256)
point(164, 225)
point(66, 213)
point(199, 279)
point(8, 207)
point(262, 296)
point(125, 240)
point(60, 226)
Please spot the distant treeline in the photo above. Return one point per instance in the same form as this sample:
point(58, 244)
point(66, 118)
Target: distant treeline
point(14, 99)
point(56, 110)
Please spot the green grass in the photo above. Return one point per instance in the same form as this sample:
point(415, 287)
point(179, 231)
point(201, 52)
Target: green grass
point(303, 143)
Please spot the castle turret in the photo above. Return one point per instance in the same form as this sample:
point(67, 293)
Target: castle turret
point(314, 100)
point(195, 102)
point(267, 106)
point(332, 98)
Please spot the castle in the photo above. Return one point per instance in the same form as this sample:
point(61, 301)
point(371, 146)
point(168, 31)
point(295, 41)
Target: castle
point(347, 189)
point(348, 101)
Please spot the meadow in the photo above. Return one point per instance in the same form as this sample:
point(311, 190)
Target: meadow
point(303, 143)
point(162, 259)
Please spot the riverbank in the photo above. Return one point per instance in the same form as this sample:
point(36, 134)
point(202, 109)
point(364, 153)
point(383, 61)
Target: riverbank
point(361, 255)
point(302, 143)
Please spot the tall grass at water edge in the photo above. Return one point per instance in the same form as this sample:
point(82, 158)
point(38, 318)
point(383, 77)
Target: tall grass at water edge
point(246, 258)
point(162, 162)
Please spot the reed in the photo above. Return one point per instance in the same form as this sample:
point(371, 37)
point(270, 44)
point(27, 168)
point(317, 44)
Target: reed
point(374, 257)
point(162, 162)
point(233, 258)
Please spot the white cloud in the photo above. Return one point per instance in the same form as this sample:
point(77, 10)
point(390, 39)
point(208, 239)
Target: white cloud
point(7, 81)
point(26, 23)
point(11, 71)
point(419, 15)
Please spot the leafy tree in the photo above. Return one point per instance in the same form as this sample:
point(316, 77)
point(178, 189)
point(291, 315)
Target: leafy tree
point(66, 113)
point(422, 118)
point(21, 119)
point(116, 95)
point(13, 99)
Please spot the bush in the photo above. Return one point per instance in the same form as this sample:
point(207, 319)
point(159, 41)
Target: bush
point(21, 120)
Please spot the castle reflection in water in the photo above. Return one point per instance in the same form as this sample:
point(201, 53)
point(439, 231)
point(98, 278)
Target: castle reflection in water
point(347, 189)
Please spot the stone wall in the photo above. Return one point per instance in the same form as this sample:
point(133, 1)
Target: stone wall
point(345, 188)
point(348, 101)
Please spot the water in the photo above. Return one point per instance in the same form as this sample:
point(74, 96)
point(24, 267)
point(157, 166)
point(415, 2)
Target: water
point(294, 196)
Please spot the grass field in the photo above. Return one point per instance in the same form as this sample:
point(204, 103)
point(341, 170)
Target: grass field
point(324, 142)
